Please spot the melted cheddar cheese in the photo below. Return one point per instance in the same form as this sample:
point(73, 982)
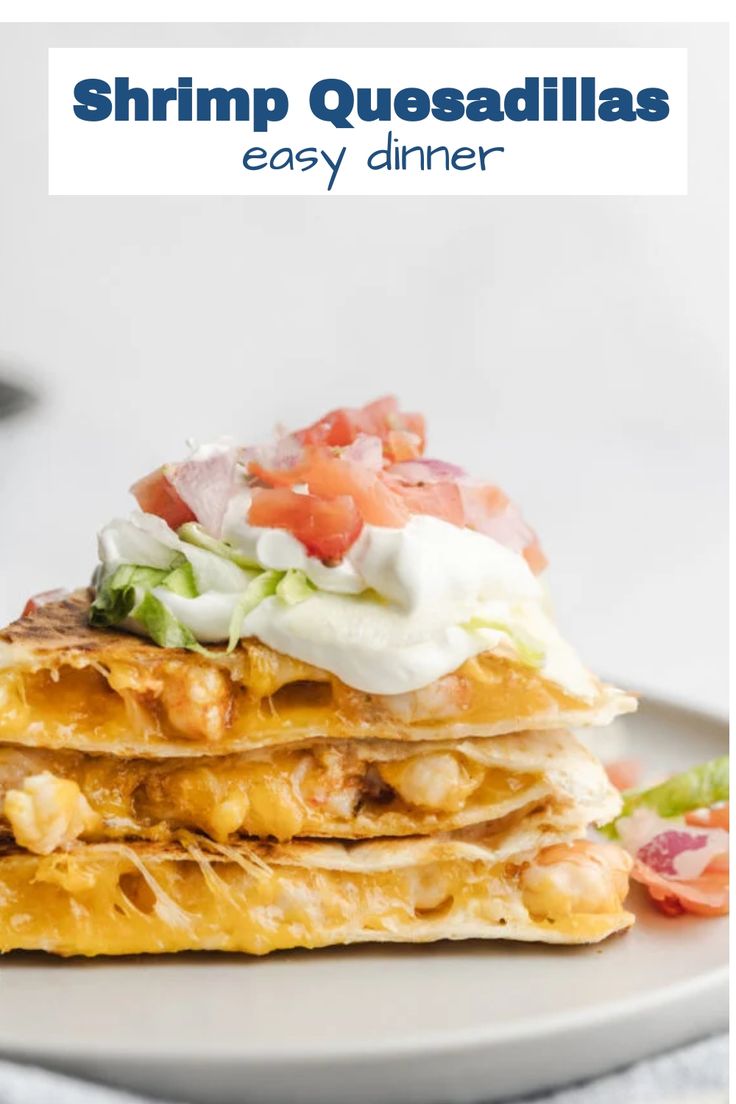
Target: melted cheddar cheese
point(165, 702)
point(105, 900)
point(342, 790)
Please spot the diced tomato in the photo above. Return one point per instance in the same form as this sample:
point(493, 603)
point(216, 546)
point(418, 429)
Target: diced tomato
point(156, 495)
point(327, 527)
point(334, 429)
point(387, 499)
point(414, 423)
point(441, 500)
point(704, 896)
point(331, 476)
point(719, 865)
point(624, 773)
point(380, 418)
point(37, 600)
point(340, 427)
point(717, 817)
point(401, 444)
point(684, 868)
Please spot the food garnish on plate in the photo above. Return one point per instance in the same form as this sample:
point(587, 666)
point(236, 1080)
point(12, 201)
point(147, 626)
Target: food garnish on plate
point(315, 695)
point(677, 834)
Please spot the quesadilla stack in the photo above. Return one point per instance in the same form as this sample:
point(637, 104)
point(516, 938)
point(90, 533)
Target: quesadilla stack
point(314, 696)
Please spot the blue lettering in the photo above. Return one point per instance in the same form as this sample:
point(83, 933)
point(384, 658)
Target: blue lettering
point(338, 115)
point(652, 105)
point(93, 102)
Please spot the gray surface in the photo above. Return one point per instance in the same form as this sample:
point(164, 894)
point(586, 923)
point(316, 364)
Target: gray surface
point(14, 398)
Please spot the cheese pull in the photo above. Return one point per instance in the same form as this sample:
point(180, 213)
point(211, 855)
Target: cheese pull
point(120, 899)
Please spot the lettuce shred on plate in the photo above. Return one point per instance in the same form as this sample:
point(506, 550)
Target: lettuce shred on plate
point(697, 788)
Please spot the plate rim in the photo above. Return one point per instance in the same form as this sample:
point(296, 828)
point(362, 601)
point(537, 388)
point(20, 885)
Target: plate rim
point(451, 1041)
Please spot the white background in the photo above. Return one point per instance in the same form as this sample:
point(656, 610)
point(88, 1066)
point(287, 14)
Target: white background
point(171, 157)
point(572, 349)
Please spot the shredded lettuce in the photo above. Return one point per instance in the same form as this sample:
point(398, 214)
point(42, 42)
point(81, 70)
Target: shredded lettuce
point(193, 533)
point(697, 788)
point(127, 592)
point(117, 594)
point(530, 653)
point(263, 586)
point(294, 587)
point(290, 586)
point(181, 580)
point(163, 628)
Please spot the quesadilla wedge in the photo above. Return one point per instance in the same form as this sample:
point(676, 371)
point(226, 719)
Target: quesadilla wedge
point(348, 790)
point(528, 879)
point(315, 695)
point(65, 684)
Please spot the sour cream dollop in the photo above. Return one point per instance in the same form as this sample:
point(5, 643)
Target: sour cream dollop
point(403, 608)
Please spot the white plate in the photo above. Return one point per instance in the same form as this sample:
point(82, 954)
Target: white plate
point(448, 1022)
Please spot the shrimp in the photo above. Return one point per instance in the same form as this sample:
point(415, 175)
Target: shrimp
point(582, 876)
point(439, 701)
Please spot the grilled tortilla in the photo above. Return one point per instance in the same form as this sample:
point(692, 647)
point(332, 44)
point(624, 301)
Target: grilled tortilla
point(348, 789)
point(528, 878)
point(64, 684)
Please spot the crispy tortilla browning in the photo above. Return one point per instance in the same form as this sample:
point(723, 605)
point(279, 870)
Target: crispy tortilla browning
point(526, 881)
point(65, 684)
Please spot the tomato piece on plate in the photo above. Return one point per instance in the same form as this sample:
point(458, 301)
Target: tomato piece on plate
point(717, 817)
point(37, 600)
point(156, 495)
point(327, 527)
point(706, 895)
